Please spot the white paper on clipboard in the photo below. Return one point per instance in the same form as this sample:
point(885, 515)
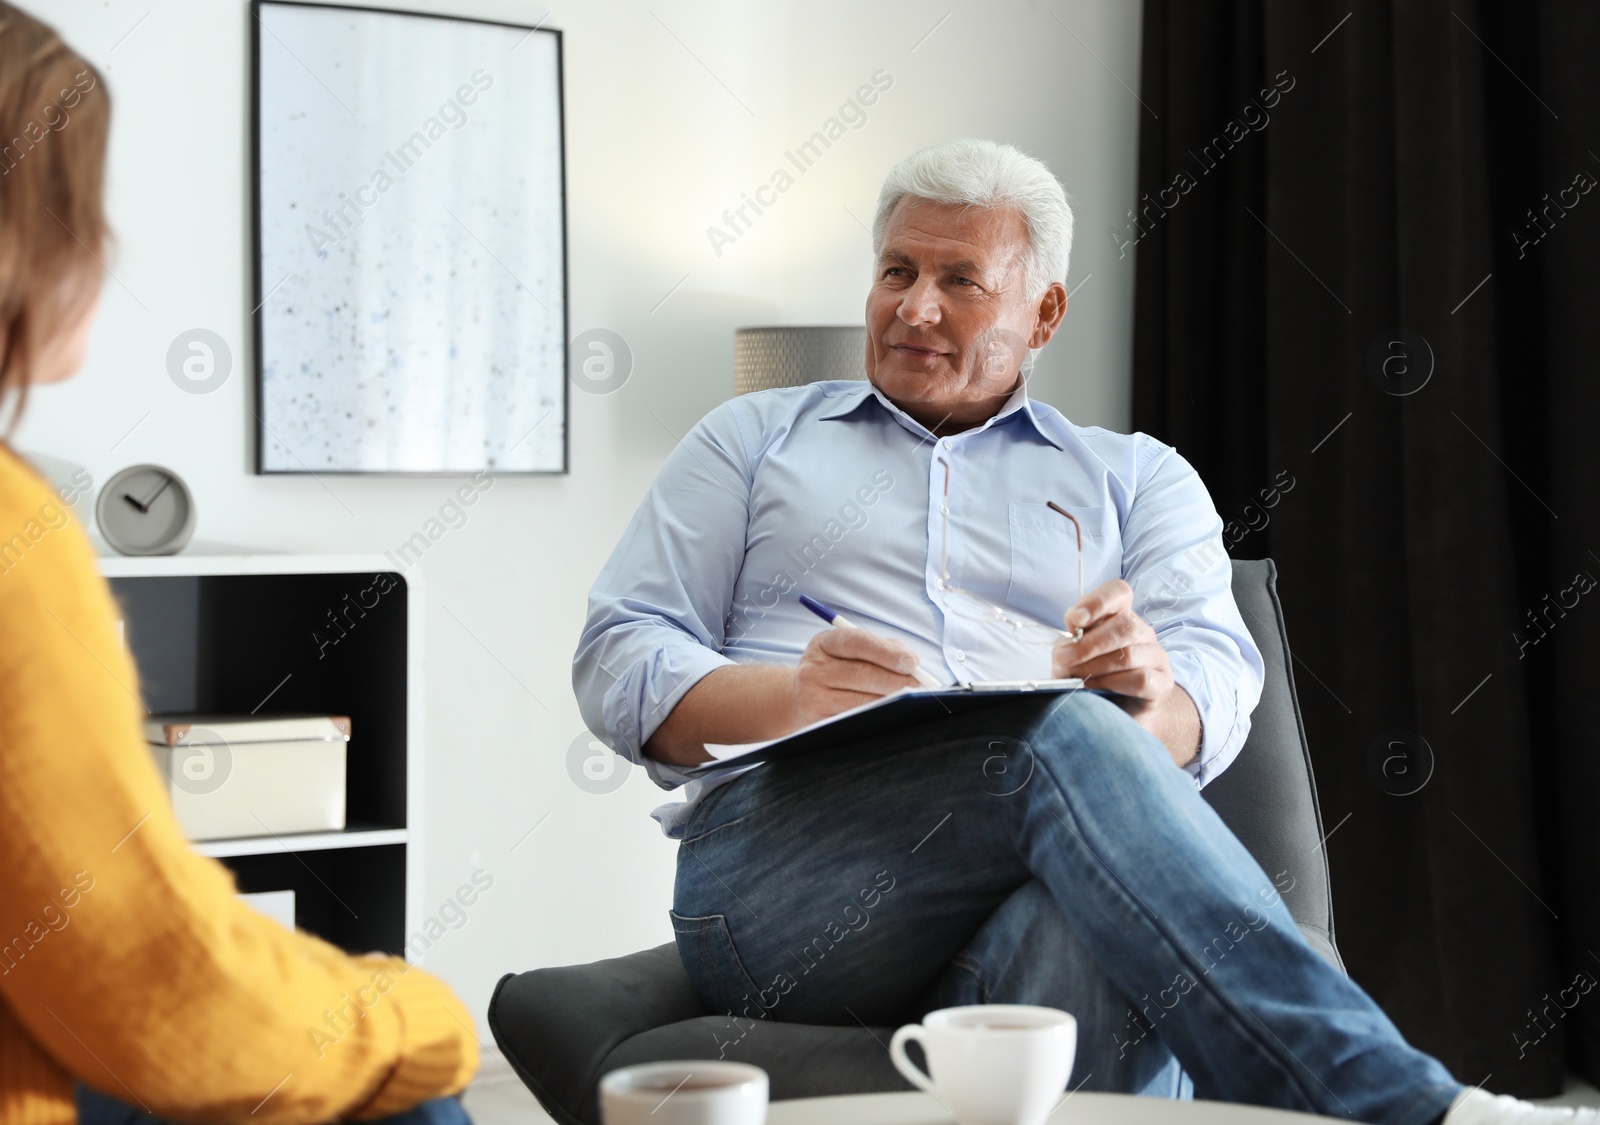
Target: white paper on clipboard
point(730, 752)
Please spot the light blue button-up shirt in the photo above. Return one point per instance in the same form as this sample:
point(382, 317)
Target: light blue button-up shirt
point(833, 491)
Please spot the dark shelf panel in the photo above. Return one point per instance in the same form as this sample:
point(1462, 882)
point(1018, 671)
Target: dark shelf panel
point(351, 897)
point(281, 643)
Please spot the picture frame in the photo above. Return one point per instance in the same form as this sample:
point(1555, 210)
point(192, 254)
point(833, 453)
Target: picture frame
point(409, 219)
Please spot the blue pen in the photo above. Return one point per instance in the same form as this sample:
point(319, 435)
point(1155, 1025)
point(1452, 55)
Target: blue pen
point(840, 621)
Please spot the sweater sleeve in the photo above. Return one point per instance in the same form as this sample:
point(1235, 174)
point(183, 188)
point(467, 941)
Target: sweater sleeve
point(127, 956)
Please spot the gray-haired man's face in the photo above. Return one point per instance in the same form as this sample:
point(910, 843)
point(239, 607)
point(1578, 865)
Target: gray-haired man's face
point(948, 319)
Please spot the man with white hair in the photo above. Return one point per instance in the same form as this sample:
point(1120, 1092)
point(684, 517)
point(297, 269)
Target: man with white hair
point(1047, 850)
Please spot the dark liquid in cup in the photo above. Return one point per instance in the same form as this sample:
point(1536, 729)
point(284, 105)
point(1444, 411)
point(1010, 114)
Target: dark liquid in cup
point(667, 1086)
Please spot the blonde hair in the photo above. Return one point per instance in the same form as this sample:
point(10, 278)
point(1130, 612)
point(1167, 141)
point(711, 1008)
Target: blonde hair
point(54, 117)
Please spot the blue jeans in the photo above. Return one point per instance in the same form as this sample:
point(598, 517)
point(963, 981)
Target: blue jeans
point(1043, 851)
point(95, 1108)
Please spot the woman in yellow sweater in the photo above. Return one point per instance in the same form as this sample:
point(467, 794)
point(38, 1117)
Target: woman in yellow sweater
point(126, 963)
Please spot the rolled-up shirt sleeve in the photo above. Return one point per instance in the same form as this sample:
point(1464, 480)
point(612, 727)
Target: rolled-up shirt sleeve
point(657, 612)
point(1182, 582)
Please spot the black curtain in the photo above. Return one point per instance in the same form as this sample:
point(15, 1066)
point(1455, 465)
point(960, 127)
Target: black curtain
point(1365, 247)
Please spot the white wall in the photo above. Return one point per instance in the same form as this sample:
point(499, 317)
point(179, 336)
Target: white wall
point(656, 148)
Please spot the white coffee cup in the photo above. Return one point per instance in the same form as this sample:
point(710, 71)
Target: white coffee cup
point(992, 1064)
point(691, 1092)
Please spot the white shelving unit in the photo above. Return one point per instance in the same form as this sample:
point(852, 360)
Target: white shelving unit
point(304, 842)
point(228, 632)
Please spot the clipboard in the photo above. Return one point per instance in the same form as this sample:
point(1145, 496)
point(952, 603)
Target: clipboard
point(888, 714)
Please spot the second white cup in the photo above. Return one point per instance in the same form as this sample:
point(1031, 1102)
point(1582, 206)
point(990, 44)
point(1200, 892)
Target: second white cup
point(992, 1064)
point(692, 1092)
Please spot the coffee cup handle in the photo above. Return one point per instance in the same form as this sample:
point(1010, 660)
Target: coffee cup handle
point(902, 1063)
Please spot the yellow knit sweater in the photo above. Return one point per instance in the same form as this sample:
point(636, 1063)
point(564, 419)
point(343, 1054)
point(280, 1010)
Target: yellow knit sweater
point(126, 962)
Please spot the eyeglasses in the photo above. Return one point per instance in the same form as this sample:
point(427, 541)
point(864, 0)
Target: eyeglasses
point(967, 605)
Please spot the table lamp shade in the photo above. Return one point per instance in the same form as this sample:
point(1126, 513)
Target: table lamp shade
point(792, 356)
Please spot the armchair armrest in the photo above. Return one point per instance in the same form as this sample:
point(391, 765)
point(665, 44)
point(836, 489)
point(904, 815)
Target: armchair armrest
point(557, 1026)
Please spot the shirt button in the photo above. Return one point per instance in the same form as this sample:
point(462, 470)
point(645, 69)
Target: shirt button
point(959, 655)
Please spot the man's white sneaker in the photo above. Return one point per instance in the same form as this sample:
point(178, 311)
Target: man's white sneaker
point(1479, 1107)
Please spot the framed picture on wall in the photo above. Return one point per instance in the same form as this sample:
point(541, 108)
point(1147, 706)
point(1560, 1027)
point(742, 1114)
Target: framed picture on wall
point(410, 229)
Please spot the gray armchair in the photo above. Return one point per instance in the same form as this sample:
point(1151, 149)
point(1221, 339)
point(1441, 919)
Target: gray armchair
point(562, 1028)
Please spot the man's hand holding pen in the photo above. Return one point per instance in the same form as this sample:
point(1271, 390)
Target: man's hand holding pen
point(843, 668)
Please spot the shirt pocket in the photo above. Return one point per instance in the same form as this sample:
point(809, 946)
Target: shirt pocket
point(1044, 557)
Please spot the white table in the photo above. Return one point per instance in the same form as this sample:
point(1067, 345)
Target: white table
point(1079, 1109)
